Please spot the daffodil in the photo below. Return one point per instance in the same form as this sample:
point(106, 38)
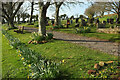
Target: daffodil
point(29, 65)
point(105, 77)
point(19, 55)
point(22, 58)
point(28, 77)
point(63, 61)
point(111, 67)
point(32, 74)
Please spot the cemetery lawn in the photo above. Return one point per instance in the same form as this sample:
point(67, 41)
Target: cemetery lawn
point(12, 66)
point(75, 60)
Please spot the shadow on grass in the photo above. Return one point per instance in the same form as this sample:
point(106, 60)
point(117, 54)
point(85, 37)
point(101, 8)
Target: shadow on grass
point(82, 40)
point(115, 39)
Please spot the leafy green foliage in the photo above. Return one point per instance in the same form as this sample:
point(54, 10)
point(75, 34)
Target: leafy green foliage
point(39, 66)
point(108, 71)
point(37, 37)
point(82, 30)
point(57, 27)
point(49, 36)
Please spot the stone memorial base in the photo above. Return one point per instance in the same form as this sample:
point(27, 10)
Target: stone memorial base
point(109, 30)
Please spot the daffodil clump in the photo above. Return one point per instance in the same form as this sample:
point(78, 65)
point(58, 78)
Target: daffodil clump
point(38, 66)
point(83, 30)
point(108, 71)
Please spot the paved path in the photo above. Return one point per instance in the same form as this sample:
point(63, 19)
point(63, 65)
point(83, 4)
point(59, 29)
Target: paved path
point(101, 45)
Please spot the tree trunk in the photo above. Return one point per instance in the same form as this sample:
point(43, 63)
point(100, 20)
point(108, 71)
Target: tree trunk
point(57, 16)
point(42, 21)
point(32, 4)
point(118, 13)
point(11, 22)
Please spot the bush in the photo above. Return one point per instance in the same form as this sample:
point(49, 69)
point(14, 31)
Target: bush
point(57, 27)
point(36, 25)
point(37, 37)
point(82, 30)
point(49, 36)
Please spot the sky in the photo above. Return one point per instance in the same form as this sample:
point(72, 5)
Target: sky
point(75, 10)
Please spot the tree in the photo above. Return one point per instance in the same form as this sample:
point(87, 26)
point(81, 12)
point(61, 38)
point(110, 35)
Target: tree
point(9, 10)
point(112, 6)
point(43, 6)
point(90, 12)
point(57, 5)
point(82, 16)
point(32, 8)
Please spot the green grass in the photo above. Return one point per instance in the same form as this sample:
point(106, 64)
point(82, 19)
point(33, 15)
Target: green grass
point(94, 34)
point(12, 66)
point(78, 59)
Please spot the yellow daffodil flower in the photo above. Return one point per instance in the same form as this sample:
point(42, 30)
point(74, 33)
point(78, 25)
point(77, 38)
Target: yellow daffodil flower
point(28, 77)
point(22, 58)
point(32, 74)
point(63, 61)
point(29, 65)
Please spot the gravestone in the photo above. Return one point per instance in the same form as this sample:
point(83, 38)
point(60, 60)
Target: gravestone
point(68, 23)
point(104, 22)
point(100, 25)
point(52, 22)
point(77, 25)
point(108, 21)
point(91, 20)
point(83, 23)
point(76, 20)
point(71, 21)
point(59, 21)
point(117, 21)
point(111, 21)
point(97, 21)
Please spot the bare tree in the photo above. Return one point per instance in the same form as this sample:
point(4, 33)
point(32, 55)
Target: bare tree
point(43, 6)
point(57, 5)
point(32, 8)
point(9, 10)
point(90, 12)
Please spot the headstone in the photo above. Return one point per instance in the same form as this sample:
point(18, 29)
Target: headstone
point(68, 23)
point(87, 20)
point(104, 22)
point(111, 21)
point(59, 21)
point(108, 21)
point(100, 25)
point(52, 22)
point(71, 21)
point(83, 23)
point(77, 25)
point(91, 21)
point(97, 21)
point(117, 20)
point(77, 20)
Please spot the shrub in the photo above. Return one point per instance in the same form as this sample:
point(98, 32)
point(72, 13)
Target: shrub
point(49, 36)
point(57, 27)
point(37, 37)
point(36, 25)
point(82, 30)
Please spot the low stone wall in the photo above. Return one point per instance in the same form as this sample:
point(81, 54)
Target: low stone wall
point(115, 30)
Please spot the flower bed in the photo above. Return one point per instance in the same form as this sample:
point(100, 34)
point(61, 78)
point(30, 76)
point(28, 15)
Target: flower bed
point(39, 66)
point(82, 30)
point(36, 38)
